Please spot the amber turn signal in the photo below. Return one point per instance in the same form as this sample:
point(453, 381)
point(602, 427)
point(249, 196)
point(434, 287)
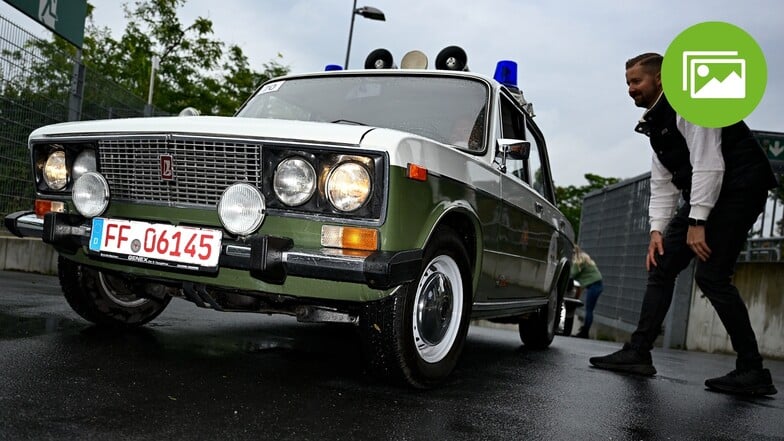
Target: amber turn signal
point(43, 206)
point(416, 172)
point(349, 237)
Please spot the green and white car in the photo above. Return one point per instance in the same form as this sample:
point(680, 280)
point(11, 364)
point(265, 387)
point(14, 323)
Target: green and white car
point(402, 202)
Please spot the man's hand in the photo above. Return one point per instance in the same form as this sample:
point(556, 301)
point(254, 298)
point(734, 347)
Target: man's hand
point(695, 239)
point(656, 246)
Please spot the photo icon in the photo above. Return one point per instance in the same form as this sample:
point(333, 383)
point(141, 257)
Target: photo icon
point(714, 74)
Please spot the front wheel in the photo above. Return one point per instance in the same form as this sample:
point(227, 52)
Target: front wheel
point(106, 299)
point(418, 333)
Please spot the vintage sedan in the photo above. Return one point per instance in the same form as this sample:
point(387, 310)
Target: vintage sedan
point(404, 202)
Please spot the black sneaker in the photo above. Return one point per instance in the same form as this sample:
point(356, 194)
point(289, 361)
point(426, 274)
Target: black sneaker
point(628, 360)
point(746, 382)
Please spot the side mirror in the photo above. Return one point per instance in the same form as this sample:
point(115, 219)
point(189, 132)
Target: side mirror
point(514, 148)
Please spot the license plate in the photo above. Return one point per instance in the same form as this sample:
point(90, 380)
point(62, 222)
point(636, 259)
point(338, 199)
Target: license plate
point(156, 244)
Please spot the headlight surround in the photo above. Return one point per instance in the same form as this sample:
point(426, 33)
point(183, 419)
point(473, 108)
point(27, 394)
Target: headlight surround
point(85, 162)
point(241, 209)
point(294, 181)
point(55, 172)
point(91, 194)
point(349, 186)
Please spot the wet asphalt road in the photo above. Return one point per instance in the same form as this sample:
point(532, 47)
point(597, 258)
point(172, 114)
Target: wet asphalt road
point(202, 375)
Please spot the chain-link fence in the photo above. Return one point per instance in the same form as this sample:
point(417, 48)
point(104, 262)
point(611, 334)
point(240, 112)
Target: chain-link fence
point(40, 85)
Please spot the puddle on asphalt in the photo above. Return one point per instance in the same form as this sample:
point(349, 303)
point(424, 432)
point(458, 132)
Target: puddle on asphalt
point(14, 326)
point(165, 338)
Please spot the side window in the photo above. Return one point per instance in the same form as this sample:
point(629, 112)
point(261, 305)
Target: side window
point(517, 125)
point(536, 160)
point(513, 126)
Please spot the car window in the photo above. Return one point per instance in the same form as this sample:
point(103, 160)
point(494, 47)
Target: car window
point(539, 178)
point(516, 124)
point(513, 126)
point(448, 110)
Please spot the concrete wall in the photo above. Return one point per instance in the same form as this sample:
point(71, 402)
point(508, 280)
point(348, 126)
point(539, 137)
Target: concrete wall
point(761, 286)
point(29, 255)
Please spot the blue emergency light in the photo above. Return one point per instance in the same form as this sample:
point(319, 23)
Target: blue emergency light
point(330, 67)
point(506, 73)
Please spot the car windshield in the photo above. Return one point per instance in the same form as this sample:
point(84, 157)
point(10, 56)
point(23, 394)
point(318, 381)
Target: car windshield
point(448, 110)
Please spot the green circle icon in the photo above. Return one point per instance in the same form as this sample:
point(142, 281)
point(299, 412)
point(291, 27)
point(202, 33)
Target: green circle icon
point(714, 74)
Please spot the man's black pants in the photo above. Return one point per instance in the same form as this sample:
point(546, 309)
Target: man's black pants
point(725, 233)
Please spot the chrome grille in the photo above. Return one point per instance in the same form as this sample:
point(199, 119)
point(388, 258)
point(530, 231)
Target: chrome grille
point(203, 168)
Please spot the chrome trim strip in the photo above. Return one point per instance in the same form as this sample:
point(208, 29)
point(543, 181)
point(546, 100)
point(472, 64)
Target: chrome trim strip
point(517, 256)
point(31, 221)
point(321, 264)
point(490, 306)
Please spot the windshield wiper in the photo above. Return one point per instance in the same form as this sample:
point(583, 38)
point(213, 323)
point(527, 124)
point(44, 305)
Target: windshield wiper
point(347, 121)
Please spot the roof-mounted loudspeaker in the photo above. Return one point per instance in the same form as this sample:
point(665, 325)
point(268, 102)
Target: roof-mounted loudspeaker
point(452, 58)
point(379, 59)
point(414, 60)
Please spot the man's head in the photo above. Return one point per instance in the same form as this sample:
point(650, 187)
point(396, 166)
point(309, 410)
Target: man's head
point(643, 76)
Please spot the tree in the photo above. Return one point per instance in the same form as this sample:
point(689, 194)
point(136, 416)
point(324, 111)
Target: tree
point(195, 68)
point(570, 198)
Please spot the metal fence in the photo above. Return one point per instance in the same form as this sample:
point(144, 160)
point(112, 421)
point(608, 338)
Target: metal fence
point(614, 230)
point(41, 85)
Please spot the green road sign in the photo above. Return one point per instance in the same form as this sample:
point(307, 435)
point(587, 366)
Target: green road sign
point(64, 17)
point(773, 144)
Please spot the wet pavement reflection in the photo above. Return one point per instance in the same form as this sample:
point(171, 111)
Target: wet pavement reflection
point(199, 374)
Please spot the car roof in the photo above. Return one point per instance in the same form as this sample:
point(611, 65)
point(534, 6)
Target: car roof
point(394, 72)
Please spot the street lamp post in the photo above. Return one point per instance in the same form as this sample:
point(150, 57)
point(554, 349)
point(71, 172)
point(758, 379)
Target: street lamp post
point(154, 67)
point(367, 12)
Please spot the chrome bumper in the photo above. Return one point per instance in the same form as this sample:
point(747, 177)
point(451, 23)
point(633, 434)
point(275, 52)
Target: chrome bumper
point(24, 224)
point(267, 258)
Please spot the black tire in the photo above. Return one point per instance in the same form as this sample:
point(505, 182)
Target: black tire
point(538, 330)
point(568, 324)
point(417, 334)
point(104, 299)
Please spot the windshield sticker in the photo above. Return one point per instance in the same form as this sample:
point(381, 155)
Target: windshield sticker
point(272, 87)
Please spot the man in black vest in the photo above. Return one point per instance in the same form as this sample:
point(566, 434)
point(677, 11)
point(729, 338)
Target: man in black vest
point(723, 177)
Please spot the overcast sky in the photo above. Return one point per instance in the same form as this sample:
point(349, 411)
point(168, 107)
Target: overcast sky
point(571, 54)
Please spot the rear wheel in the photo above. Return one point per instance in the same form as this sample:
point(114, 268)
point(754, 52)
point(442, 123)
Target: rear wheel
point(106, 299)
point(417, 334)
point(538, 330)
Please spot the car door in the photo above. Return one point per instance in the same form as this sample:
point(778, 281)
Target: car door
point(525, 237)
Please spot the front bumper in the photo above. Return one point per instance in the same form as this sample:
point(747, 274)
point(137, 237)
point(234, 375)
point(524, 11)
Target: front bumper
point(267, 258)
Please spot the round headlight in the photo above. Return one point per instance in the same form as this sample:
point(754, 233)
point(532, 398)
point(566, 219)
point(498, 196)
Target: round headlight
point(91, 194)
point(84, 163)
point(294, 182)
point(241, 209)
point(348, 186)
point(55, 170)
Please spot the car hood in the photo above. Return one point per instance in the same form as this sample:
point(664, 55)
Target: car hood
point(319, 132)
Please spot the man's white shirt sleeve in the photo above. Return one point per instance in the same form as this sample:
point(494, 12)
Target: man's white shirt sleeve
point(707, 164)
point(664, 196)
point(707, 173)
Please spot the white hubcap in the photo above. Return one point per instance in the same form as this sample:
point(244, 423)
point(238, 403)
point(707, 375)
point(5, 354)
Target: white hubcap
point(438, 307)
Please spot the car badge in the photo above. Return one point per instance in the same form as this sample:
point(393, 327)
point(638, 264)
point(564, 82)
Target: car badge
point(167, 167)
